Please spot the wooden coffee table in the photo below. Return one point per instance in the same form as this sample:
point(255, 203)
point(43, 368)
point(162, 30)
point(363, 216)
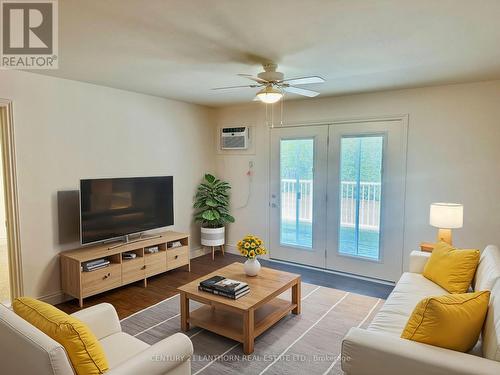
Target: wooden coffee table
point(246, 318)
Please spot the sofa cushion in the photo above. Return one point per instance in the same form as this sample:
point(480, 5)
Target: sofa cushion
point(451, 321)
point(491, 329)
point(488, 270)
point(120, 346)
point(83, 348)
point(452, 269)
point(408, 292)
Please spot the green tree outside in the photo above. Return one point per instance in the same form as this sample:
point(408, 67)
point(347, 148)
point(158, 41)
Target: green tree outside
point(297, 158)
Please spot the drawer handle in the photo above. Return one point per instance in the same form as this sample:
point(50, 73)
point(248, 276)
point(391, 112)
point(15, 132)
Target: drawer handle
point(176, 257)
point(143, 268)
point(106, 276)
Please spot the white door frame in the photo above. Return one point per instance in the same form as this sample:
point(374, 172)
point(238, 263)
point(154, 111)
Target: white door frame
point(11, 198)
point(314, 256)
point(403, 118)
point(389, 266)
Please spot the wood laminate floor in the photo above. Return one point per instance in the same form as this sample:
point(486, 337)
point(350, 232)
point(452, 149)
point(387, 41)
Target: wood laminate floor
point(134, 297)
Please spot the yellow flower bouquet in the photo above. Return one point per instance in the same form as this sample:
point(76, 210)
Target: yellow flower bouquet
point(251, 247)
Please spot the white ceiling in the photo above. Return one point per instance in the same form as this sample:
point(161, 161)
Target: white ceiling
point(180, 49)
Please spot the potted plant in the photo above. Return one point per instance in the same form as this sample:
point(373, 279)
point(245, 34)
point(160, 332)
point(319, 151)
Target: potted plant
point(212, 204)
point(251, 247)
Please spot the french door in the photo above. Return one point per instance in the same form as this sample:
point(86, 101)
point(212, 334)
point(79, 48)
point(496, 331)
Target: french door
point(298, 187)
point(337, 197)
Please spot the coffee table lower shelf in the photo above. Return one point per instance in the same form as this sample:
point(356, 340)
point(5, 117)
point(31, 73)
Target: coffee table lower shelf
point(231, 324)
point(244, 319)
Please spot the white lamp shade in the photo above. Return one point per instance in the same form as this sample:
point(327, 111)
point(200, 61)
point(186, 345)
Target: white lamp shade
point(269, 95)
point(446, 215)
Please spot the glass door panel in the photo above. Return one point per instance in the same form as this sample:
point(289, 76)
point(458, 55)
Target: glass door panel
point(296, 175)
point(298, 194)
point(360, 195)
point(366, 180)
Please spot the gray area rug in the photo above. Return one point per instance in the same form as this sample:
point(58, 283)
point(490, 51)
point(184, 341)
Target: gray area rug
point(308, 343)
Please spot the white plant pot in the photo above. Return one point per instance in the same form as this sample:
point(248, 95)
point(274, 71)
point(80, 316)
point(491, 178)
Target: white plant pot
point(252, 267)
point(213, 236)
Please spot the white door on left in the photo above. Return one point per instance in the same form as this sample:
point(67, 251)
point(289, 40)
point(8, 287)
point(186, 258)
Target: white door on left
point(298, 194)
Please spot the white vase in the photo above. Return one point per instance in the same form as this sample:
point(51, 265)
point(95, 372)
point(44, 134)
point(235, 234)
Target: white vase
point(252, 267)
point(212, 236)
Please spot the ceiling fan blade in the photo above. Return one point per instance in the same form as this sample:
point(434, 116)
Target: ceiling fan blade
point(256, 79)
point(235, 87)
point(303, 92)
point(304, 80)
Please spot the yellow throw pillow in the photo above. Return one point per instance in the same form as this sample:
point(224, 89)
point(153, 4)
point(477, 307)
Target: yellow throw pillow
point(452, 321)
point(84, 350)
point(452, 269)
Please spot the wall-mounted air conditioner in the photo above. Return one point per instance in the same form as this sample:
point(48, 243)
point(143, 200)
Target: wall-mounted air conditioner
point(234, 138)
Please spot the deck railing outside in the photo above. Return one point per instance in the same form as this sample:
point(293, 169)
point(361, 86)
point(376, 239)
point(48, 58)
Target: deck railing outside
point(297, 200)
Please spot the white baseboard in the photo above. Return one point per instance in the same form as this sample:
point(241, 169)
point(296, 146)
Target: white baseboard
point(55, 298)
point(233, 250)
point(59, 296)
point(199, 251)
point(352, 276)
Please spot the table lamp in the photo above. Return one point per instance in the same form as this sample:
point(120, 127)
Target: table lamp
point(446, 216)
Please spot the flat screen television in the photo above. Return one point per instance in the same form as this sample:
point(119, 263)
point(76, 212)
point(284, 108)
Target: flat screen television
point(116, 207)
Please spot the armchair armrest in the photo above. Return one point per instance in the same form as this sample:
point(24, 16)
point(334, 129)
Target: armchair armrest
point(418, 259)
point(160, 358)
point(364, 350)
point(102, 319)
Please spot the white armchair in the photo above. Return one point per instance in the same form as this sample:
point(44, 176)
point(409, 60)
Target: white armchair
point(26, 350)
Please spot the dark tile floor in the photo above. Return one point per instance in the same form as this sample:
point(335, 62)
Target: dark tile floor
point(331, 280)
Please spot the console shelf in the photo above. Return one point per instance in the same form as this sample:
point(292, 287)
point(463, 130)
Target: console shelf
point(80, 284)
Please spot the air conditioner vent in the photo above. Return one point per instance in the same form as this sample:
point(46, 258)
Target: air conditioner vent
point(234, 138)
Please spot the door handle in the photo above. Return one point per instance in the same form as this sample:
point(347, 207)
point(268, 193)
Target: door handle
point(275, 201)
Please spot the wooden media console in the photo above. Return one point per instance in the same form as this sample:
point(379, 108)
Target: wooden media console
point(81, 284)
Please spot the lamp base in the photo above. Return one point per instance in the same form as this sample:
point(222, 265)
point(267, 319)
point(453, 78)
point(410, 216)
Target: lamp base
point(444, 235)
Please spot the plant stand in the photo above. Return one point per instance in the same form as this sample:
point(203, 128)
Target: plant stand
point(213, 251)
point(213, 237)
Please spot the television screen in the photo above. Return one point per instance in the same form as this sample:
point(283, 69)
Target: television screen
point(115, 207)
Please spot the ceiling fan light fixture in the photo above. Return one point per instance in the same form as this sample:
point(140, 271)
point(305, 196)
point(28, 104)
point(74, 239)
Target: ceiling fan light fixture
point(269, 95)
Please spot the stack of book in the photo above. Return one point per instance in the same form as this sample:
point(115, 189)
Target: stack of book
point(152, 249)
point(224, 287)
point(95, 265)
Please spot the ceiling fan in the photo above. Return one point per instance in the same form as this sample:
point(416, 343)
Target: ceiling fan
point(273, 84)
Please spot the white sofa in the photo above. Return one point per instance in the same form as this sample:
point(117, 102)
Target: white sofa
point(379, 349)
point(26, 350)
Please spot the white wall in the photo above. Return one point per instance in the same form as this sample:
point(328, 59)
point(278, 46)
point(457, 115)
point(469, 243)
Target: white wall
point(3, 227)
point(453, 156)
point(67, 130)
